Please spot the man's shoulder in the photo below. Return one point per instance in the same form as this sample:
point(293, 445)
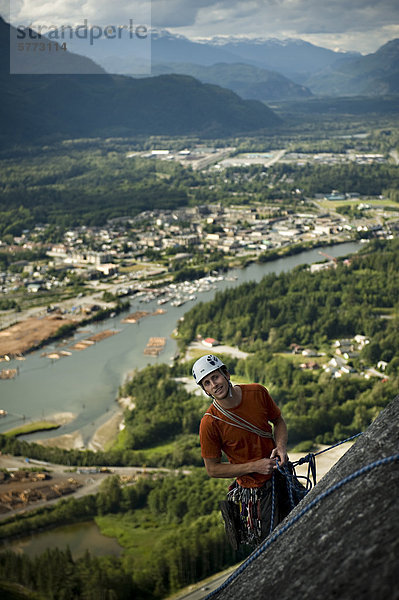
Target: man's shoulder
point(211, 410)
point(256, 392)
point(253, 388)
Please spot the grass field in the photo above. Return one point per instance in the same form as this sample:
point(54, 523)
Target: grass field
point(135, 531)
point(372, 202)
point(32, 428)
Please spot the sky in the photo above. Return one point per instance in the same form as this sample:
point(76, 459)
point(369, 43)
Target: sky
point(357, 25)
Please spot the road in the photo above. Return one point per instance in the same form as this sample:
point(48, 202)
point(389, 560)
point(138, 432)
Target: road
point(395, 156)
point(205, 587)
point(210, 159)
point(275, 158)
point(90, 481)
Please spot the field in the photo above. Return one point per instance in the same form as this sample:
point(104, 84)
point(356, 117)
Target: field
point(32, 428)
point(28, 334)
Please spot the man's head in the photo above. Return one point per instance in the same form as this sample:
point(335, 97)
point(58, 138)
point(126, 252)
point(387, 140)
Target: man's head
point(211, 374)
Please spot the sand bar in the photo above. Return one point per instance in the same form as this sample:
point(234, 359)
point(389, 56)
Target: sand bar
point(29, 334)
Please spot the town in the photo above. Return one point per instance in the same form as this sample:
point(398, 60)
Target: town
point(172, 245)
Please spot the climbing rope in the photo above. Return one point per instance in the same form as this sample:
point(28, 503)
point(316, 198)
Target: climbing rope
point(295, 493)
point(299, 515)
point(311, 460)
point(238, 421)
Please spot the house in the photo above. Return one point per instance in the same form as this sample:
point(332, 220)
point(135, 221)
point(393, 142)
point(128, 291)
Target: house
point(296, 348)
point(361, 341)
point(309, 352)
point(337, 362)
point(107, 269)
point(343, 342)
point(310, 365)
point(34, 287)
point(210, 342)
point(382, 365)
point(348, 354)
point(344, 350)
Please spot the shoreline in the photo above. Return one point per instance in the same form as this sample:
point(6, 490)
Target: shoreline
point(103, 436)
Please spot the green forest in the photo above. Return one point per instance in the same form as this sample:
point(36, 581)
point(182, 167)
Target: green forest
point(176, 516)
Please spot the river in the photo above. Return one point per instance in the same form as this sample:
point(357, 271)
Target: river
point(79, 537)
point(86, 382)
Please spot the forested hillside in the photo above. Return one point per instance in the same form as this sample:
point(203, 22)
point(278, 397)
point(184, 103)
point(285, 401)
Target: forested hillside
point(41, 107)
point(305, 308)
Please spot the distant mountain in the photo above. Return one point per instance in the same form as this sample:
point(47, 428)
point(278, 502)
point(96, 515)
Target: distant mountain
point(169, 48)
point(376, 74)
point(246, 80)
point(293, 58)
point(35, 106)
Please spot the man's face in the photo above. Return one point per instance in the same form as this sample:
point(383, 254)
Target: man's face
point(215, 384)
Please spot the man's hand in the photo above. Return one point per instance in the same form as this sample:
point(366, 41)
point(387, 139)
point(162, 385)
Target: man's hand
point(215, 468)
point(265, 466)
point(280, 454)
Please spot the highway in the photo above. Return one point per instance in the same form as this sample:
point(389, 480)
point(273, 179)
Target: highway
point(202, 589)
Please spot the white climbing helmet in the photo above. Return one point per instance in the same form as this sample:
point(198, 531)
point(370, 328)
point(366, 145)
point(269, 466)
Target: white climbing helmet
point(205, 365)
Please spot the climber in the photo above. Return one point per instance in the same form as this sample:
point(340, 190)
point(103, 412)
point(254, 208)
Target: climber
point(238, 424)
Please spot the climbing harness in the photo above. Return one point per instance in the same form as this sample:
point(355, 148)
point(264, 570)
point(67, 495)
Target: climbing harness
point(248, 511)
point(267, 543)
point(248, 506)
point(242, 510)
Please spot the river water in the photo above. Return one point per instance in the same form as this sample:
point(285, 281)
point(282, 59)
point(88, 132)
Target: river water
point(79, 537)
point(86, 382)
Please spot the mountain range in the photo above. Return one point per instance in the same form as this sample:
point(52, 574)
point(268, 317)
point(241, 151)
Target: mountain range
point(183, 96)
point(375, 74)
point(36, 106)
point(252, 67)
point(293, 58)
point(261, 69)
point(245, 80)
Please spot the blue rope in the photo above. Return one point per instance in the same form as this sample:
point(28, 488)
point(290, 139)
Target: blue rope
point(273, 503)
point(284, 528)
point(339, 443)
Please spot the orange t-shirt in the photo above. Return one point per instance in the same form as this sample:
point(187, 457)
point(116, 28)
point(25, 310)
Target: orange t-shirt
point(239, 445)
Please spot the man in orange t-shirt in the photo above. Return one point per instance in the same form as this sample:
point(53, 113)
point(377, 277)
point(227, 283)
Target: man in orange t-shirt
point(238, 424)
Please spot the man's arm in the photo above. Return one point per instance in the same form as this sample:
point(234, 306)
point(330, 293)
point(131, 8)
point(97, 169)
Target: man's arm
point(280, 437)
point(215, 468)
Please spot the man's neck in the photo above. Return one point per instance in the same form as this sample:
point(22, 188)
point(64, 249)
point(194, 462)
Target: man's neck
point(232, 401)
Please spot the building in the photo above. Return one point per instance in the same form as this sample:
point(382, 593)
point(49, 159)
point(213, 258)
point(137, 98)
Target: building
point(210, 342)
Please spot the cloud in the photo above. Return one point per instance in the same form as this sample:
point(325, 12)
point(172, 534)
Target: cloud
point(336, 22)
point(61, 12)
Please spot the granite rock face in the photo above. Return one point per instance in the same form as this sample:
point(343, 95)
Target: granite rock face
point(346, 547)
